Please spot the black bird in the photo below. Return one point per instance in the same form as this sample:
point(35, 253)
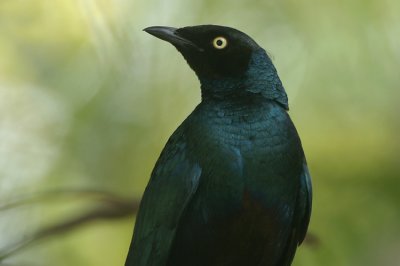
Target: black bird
point(231, 186)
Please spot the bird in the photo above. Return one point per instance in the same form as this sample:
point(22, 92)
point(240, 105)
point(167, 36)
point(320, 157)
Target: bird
point(231, 186)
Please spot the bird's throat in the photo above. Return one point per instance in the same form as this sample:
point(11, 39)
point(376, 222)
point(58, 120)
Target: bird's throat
point(260, 80)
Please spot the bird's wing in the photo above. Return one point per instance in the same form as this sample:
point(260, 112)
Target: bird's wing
point(301, 217)
point(173, 182)
point(305, 203)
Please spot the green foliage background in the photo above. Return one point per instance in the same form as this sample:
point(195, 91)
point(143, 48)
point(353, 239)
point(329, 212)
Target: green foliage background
point(88, 100)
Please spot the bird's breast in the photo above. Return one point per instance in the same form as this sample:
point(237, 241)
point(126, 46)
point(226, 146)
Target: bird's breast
point(261, 129)
point(247, 149)
point(244, 202)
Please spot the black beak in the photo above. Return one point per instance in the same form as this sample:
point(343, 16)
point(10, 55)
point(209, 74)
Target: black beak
point(171, 35)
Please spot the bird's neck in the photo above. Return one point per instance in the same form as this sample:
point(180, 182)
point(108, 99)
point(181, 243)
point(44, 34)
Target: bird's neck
point(261, 80)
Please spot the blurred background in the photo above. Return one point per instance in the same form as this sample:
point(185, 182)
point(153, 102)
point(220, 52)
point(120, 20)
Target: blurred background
point(88, 100)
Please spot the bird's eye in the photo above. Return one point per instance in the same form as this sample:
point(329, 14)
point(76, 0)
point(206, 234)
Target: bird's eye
point(220, 43)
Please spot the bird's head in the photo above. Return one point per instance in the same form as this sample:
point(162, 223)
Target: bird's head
point(226, 61)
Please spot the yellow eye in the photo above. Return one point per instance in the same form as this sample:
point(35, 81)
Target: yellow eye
point(220, 43)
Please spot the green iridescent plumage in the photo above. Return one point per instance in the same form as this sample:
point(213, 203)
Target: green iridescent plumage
point(231, 186)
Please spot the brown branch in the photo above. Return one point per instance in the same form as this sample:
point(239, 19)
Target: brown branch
point(110, 208)
point(57, 194)
point(312, 240)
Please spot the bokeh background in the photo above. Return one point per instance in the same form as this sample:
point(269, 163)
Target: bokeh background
point(87, 101)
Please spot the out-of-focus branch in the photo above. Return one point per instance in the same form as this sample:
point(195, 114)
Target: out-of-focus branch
point(109, 207)
point(312, 240)
point(32, 198)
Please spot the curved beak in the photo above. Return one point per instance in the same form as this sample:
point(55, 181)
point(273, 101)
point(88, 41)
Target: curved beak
point(171, 35)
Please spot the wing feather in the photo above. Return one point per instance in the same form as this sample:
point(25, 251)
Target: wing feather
point(301, 217)
point(172, 184)
point(306, 196)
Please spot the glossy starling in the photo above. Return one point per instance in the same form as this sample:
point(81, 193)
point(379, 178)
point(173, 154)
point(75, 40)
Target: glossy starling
point(231, 186)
